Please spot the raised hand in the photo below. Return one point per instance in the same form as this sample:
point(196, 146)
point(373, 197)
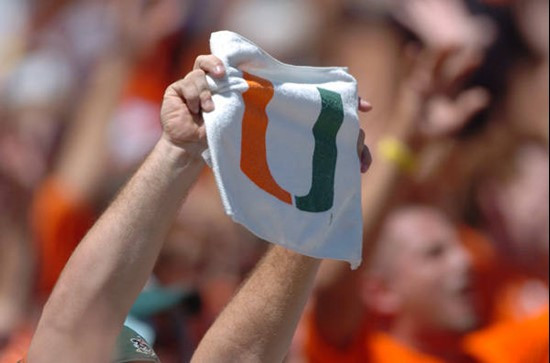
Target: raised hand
point(443, 106)
point(184, 102)
point(142, 23)
point(444, 23)
point(454, 42)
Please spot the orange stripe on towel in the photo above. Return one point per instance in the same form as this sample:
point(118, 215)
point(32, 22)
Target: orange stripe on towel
point(254, 128)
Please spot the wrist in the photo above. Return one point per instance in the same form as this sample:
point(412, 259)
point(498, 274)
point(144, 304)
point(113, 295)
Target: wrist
point(280, 253)
point(180, 156)
point(397, 152)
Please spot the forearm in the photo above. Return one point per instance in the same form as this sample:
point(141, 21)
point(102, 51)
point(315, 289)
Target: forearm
point(112, 263)
point(339, 310)
point(384, 176)
point(378, 193)
point(84, 153)
point(258, 324)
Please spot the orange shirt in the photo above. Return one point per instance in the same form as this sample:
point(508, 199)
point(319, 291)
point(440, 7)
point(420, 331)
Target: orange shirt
point(507, 294)
point(383, 348)
point(17, 346)
point(59, 222)
point(516, 342)
point(316, 350)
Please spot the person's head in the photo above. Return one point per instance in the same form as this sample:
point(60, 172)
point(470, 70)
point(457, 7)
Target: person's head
point(420, 275)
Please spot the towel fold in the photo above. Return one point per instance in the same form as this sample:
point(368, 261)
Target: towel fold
point(282, 145)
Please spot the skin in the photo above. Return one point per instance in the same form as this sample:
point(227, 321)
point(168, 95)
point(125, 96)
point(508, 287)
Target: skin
point(420, 255)
point(86, 309)
point(424, 115)
point(430, 105)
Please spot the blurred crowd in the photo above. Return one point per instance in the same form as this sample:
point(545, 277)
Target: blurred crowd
point(455, 205)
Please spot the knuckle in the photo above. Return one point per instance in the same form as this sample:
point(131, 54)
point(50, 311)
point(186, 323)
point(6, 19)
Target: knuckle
point(205, 95)
point(195, 75)
point(199, 60)
point(199, 74)
point(189, 89)
point(214, 60)
point(171, 88)
point(207, 62)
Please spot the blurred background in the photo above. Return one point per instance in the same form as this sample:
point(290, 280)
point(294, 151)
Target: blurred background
point(460, 123)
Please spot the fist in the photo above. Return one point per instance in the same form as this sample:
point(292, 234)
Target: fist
point(185, 101)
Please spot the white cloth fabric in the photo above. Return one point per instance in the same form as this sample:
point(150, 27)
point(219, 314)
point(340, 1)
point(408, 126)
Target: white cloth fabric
point(282, 145)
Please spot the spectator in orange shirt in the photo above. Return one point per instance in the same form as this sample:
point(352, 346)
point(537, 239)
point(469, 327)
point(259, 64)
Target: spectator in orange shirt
point(420, 285)
point(338, 328)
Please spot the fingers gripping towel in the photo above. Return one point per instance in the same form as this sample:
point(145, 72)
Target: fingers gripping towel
point(283, 147)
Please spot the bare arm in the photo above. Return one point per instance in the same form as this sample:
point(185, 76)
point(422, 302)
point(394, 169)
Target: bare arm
point(83, 170)
point(338, 310)
point(258, 324)
point(82, 164)
point(85, 312)
point(424, 113)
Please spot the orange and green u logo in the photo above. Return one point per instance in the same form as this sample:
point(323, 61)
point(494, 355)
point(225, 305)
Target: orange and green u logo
point(253, 147)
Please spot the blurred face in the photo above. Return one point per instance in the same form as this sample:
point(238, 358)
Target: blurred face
point(431, 273)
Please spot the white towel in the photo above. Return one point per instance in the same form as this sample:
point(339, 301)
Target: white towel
point(283, 147)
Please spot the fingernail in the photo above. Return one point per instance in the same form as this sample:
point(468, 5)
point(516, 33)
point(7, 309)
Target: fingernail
point(367, 104)
point(218, 70)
